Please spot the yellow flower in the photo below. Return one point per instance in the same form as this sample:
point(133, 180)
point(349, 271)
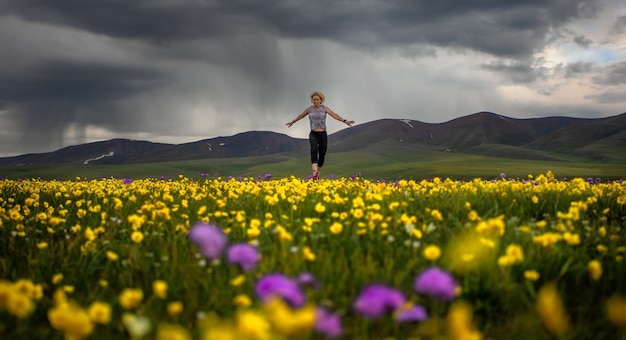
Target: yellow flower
point(130, 298)
point(320, 208)
point(253, 232)
point(136, 236)
point(436, 214)
point(253, 325)
point(594, 267)
point(242, 300)
point(59, 297)
point(42, 245)
point(571, 239)
point(172, 332)
point(473, 215)
point(111, 256)
point(505, 261)
point(19, 304)
point(174, 308)
point(515, 253)
point(308, 254)
point(460, 324)
point(57, 278)
point(550, 308)
point(99, 312)
point(336, 228)
point(238, 280)
point(531, 275)
point(616, 310)
point(432, 252)
point(70, 319)
point(287, 321)
point(159, 288)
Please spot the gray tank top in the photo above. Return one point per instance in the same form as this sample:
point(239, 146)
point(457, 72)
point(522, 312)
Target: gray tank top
point(317, 117)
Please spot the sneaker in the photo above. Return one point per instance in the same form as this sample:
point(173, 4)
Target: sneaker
point(316, 174)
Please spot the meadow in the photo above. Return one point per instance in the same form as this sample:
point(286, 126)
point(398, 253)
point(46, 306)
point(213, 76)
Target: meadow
point(383, 160)
point(279, 257)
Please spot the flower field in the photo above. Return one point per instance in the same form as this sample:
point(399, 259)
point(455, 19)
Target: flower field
point(349, 258)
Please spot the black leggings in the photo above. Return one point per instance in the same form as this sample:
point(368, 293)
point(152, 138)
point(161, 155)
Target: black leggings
point(319, 144)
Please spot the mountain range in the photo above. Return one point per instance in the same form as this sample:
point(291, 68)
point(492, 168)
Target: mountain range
point(482, 133)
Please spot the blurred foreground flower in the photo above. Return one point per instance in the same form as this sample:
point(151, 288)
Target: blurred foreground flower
point(289, 321)
point(136, 325)
point(459, 322)
point(594, 267)
point(437, 283)
point(70, 319)
point(99, 312)
point(130, 298)
point(159, 289)
point(432, 252)
point(551, 311)
point(327, 323)
point(279, 285)
point(209, 238)
point(410, 313)
point(172, 332)
point(616, 310)
point(244, 255)
point(377, 299)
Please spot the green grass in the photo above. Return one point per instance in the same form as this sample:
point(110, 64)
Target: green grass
point(375, 162)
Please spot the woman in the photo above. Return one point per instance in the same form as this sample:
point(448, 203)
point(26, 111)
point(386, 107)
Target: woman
point(318, 137)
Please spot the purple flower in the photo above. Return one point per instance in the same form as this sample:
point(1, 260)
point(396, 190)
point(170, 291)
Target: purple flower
point(376, 299)
point(243, 254)
point(279, 285)
point(589, 180)
point(204, 175)
point(127, 181)
point(307, 280)
point(209, 238)
point(414, 313)
point(268, 176)
point(437, 283)
point(502, 175)
point(327, 323)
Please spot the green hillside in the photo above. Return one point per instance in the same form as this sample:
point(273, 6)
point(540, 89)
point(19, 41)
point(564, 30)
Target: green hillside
point(384, 160)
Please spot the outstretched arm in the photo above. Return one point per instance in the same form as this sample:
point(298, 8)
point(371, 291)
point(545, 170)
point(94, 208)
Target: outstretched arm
point(338, 117)
point(300, 116)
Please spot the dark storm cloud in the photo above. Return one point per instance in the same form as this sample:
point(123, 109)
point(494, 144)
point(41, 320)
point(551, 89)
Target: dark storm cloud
point(516, 72)
point(77, 83)
point(619, 26)
point(47, 99)
point(578, 68)
point(609, 97)
point(614, 74)
point(582, 41)
point(504, 28)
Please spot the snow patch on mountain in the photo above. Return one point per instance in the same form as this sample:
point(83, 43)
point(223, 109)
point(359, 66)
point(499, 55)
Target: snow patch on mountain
point(407, 122)
point(99, 157)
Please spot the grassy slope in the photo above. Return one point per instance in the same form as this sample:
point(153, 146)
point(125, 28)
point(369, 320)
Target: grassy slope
point(387, 159)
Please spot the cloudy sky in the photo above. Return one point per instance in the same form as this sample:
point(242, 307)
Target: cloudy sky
point(175, 71)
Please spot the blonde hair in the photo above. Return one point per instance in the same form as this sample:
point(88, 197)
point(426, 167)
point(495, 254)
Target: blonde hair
point(319, 94)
